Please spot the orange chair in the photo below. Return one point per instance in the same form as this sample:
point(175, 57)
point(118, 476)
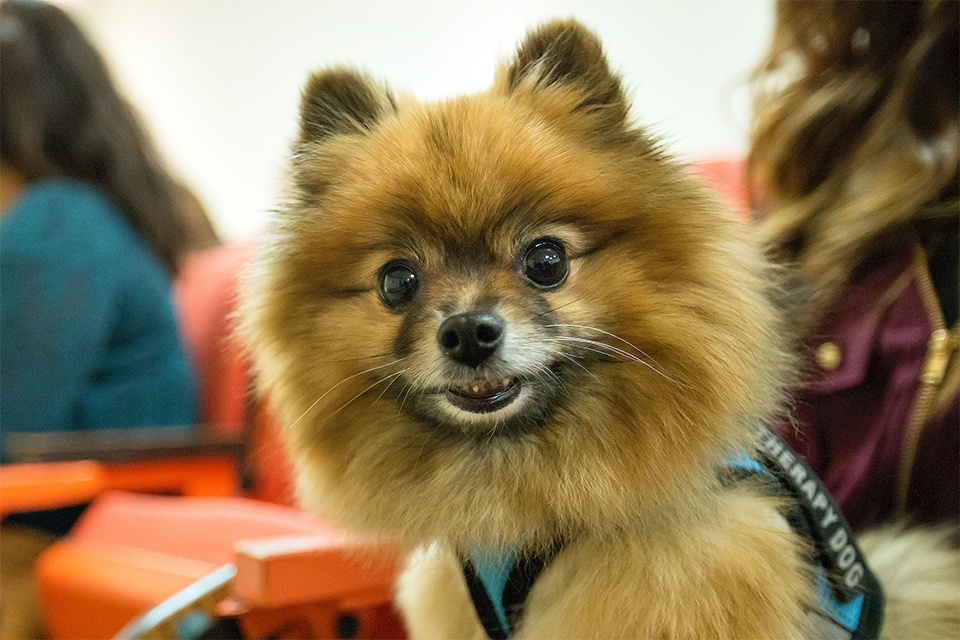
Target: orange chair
point(65, 469)
point(206, 295)
point(293, 575)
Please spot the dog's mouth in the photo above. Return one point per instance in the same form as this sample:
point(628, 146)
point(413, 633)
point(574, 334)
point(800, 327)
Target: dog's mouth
point(484, 396)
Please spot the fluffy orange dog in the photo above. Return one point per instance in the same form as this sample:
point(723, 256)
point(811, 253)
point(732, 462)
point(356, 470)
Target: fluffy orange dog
point(508, 330)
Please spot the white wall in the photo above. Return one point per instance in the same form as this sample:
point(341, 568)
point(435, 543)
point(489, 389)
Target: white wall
point(218, 81)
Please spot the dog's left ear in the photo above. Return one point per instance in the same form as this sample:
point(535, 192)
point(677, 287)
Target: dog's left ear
point(564, 54)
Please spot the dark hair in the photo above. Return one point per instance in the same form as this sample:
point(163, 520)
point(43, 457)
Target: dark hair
point(855, 136)
point(62, 116)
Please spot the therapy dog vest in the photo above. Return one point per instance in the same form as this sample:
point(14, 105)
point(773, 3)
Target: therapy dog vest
point(849, 600)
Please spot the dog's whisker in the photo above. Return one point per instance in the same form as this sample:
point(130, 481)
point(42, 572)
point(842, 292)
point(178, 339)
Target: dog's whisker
point(344, 405)
point(603, 345)
point(583, 348)
point(565, 304)
point(608, 349)
point(597, 347)
point(606, 333)
point(572, 359)
point(395, 377)
point(348, 378)
point(406, 394)
point(345, 360)
point(550, 372)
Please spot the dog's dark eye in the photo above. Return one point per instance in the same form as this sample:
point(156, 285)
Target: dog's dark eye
point(545, 264)
point(398, 284)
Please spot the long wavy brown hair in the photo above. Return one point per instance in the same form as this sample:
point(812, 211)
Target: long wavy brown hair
point(855, 136)
point(61, 115)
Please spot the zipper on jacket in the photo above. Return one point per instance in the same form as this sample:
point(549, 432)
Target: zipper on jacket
point(942, 342)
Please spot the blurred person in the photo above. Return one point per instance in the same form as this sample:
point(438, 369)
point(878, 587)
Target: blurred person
point(92, 232)
point(854, 169)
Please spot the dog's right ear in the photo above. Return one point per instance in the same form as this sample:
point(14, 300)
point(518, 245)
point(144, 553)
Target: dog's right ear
point(341, 101)
point(335, 103)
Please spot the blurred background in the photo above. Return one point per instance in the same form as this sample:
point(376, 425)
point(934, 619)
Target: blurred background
point(217, 82)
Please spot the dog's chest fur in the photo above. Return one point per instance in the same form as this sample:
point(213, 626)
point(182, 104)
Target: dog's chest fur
point(661, 584)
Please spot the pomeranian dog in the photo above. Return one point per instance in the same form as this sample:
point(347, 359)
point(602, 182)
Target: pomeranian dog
point(509, 331)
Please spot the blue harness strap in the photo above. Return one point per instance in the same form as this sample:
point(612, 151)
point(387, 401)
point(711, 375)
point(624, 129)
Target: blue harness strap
point(487, 577)
point(849, 600)
point(499, 586)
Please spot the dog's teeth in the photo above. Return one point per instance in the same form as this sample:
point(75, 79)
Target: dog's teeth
point(482, 388)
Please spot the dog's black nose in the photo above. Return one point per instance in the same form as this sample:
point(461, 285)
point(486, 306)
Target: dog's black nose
point(470, 338)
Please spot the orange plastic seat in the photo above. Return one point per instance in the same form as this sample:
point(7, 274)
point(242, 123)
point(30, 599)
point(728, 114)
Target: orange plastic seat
point(293, 571)
point(129, 552)
point(28, 487)
point(206, 295)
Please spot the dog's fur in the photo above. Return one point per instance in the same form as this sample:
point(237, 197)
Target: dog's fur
point(650, 363)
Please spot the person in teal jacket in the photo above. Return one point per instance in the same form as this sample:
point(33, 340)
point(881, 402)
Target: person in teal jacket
point(88, 338)
point(92, 232)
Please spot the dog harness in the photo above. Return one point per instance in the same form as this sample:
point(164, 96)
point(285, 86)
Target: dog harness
point(849, 601)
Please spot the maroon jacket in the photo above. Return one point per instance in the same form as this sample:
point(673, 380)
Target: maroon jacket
point(875, 422)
